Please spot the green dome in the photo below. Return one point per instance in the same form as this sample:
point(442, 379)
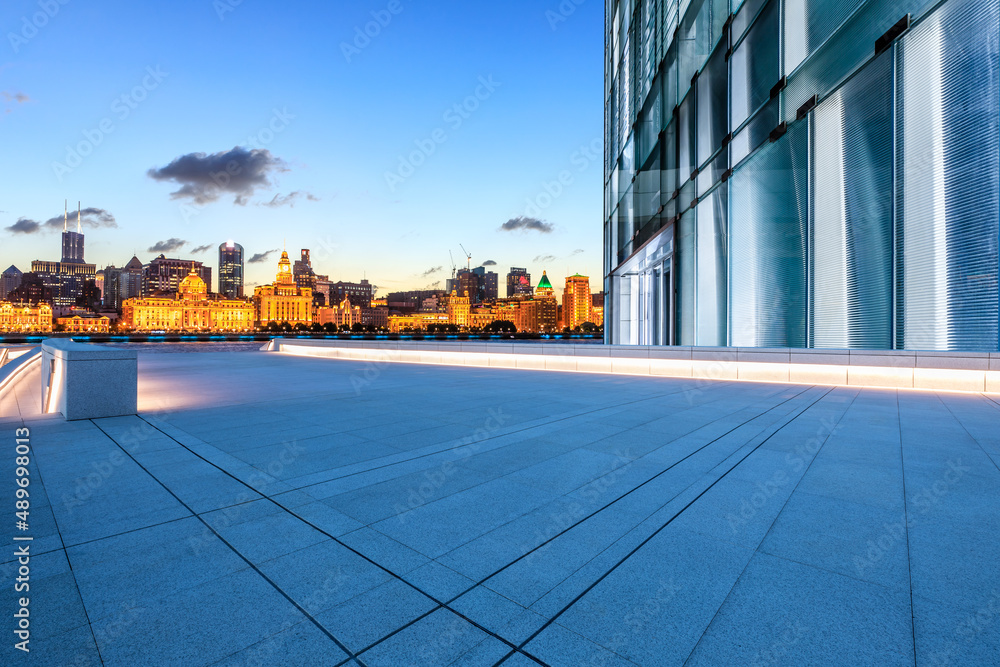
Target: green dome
point(544, 282)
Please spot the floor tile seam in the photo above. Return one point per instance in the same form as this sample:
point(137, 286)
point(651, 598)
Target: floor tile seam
point(906, 524)
point(887, 587)
point(624, 495)
point(335, 539)
point(258, 643)
point(967, 432)
point(655, 533)
point(241, 556)
point(598, 644)
point(774, 521)
point(124, 532)
point(446, 449)
point(157, 597)
point(69, 561)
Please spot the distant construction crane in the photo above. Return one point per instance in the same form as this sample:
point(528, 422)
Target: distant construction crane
point(468, 257)
point(454, 269)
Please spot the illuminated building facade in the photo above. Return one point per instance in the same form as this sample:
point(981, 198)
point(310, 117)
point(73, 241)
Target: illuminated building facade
point(458, 309)
point(803, 173)
point(577, 301)
point(25, 317)
point(415, 321)
point(84, 323)
point(283, 301)
point(343, 314)
point(190, 309)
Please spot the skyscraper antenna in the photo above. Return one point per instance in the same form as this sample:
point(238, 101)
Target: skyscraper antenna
point(65, 214)
point(79, 227)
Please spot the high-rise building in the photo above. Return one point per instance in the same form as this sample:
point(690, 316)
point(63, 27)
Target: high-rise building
point(487, 285)
point(10, 280)
point(66, 278)
point(72, 242)
point(468, 285)
point(803, 174)
point(518, 282)
point(32, 290)
point(360, 294)
point(121, 284)
point(577, 301)
point(231, 270)
point(163, 275)
point(283, 301)
point(303, 272)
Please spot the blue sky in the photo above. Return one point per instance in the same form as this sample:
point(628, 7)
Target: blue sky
point(389, 175)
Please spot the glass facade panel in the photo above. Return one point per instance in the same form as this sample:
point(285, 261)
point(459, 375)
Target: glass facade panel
point(712, 268)
point(767, 217)
point(851, 253)
point(755, 66)
point(948, 179)
point(713, 105)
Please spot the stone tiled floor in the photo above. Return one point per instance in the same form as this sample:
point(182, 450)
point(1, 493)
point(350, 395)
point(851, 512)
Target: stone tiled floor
point(265, 509)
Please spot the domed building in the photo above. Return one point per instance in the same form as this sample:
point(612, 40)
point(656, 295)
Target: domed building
point(190, 309)
point(283, 301)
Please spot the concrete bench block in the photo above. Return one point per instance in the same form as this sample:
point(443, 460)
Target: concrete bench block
point(87, 381)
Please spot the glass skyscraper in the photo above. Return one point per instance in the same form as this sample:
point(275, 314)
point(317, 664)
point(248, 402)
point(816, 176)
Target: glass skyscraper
point(231, 270)
point(802, 173)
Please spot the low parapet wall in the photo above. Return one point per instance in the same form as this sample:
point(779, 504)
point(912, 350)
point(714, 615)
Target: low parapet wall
point(950, 371)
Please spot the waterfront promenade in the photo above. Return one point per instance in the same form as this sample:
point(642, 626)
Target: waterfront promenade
point(265, 508)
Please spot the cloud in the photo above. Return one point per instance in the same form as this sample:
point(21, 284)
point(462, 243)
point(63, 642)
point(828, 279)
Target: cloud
point(522, 223)
point(94, 218)
point(541, 259)
point(169, 245)
point(202, 248)
point(288, 199)
point(24, 226)
point(430, 272)
point(261, 257)
point(489, 262)
point(576, 252)
point(20, 98)
point(206, 178)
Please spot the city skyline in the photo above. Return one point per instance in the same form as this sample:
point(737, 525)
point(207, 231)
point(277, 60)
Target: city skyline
point(265, 259)
point(338, 174)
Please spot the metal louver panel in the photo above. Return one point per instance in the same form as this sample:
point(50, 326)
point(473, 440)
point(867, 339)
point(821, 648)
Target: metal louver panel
point(851, 253)
point(767, 222)
point(846, 50)
point(948, 208)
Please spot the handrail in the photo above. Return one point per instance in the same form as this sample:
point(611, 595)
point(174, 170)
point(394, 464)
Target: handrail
point(10, 371)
